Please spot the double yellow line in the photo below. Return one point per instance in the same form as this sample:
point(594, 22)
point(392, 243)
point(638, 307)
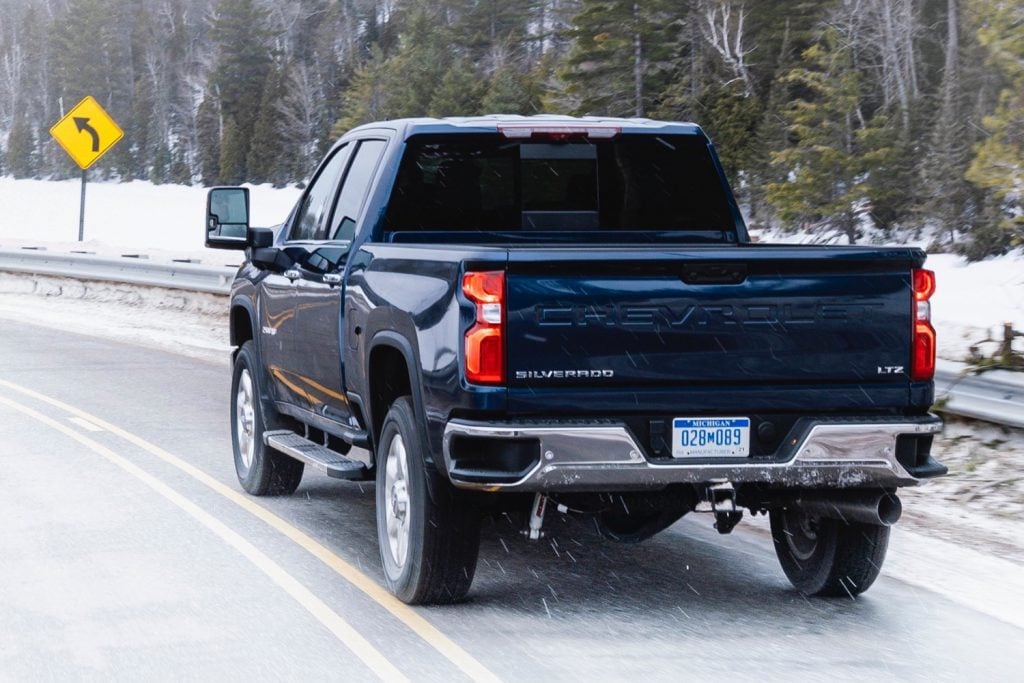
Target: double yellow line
point(331, 620)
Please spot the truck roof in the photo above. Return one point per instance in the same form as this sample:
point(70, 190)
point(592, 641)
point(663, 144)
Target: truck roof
point(491, 123)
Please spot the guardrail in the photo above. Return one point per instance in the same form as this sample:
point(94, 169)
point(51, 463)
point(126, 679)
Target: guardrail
point(995, 396)
point(131, 270)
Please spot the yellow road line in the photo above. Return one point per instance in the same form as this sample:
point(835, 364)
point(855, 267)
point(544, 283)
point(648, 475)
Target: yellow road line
point(423, 628)
point(348, 635)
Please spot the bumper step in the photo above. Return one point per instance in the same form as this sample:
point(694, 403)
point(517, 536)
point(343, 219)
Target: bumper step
point(334, 465)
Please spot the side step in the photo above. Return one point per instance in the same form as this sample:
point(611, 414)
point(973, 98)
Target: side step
point(332, 464)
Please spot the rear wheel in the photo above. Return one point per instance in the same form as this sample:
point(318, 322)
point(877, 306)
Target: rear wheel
point(261, 470)
point(428, 543)
point(828, 557)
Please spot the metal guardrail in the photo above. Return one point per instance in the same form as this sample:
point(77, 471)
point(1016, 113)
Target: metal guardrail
point(137, 271)
point(995, 396)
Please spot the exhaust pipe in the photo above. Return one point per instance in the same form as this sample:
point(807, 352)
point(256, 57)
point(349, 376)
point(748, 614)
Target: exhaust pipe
point(883, 509)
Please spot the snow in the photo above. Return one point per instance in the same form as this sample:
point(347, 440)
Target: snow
point(159, 220)
point(973, 300)
point(166, 221)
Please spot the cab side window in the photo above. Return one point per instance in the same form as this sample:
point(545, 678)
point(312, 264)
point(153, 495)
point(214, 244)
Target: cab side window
point(353, 190)
point(312, 213)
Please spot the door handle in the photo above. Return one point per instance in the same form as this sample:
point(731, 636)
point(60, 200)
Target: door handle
point(292, 274)
point(333, 279)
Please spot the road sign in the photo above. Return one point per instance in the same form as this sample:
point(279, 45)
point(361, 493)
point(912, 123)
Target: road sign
point(87, 132)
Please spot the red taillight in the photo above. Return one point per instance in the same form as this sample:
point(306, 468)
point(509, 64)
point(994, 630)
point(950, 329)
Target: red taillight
point(485, 341)
point(924, 284)
point(922, 356)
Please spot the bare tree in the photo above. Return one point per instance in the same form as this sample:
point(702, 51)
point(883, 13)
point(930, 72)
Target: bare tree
point(723, 27)
point(884, 35)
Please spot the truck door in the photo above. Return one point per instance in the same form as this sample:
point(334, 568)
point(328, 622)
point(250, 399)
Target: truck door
point(319, 343)
point(278, 309)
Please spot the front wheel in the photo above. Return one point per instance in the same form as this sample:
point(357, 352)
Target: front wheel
point(428, 543)
point(261, 470)
point(828, 557)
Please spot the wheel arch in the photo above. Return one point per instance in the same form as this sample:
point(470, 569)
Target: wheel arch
point(392, 371)
point(242, 323)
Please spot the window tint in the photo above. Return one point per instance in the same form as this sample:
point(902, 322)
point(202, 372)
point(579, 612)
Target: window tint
point(353, 190)
point(635, 182)
point(316, 203)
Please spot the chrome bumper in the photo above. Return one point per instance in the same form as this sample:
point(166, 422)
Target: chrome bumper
point(604, 456)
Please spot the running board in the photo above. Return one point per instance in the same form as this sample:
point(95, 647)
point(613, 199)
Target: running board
point(334, 465)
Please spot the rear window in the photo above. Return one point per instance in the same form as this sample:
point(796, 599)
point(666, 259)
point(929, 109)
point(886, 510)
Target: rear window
point(660, 184)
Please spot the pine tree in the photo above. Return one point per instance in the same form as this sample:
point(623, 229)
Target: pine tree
point(150, 150)
point(160, 170)
point(180, 172)
point(208, 140)
point(825, 186)
point(947, 192)
point(998, 165)
point(266, 161)
point(413, 74)
point(458, 93)
point(21, 148)
point(731, 120)
point(244, 60)
point(233, 148)
point(617, 65)
point(367, 97)
point(772, 136)
point(506, 93)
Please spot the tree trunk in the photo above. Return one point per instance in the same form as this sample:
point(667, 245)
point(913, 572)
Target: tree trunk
point(894, 60)
point(638, 64)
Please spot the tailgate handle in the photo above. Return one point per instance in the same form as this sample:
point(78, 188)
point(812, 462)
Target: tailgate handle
point(714, 273)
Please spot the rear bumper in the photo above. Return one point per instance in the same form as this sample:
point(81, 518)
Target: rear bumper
point(604, 456)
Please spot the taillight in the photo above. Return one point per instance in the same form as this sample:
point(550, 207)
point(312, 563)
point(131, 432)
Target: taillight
point(485, 341)
point(922, 361)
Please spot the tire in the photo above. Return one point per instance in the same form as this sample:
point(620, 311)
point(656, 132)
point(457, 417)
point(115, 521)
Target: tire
point(261, 470)
point(428, 543)
point(828, 557)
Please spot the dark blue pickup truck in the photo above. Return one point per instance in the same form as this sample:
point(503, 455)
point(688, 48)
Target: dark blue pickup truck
point(552, 313)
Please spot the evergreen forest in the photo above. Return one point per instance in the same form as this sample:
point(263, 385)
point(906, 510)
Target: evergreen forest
point(855, 119)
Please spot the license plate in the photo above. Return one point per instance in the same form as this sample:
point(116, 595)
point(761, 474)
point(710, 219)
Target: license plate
point(710, 437)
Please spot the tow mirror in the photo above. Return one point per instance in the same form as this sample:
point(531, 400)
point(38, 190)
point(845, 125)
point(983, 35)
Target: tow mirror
point(227, 218)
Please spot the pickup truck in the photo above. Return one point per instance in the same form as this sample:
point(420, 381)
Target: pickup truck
point(567, 315)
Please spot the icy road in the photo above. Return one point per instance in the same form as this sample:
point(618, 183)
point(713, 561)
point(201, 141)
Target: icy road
point(127, 551)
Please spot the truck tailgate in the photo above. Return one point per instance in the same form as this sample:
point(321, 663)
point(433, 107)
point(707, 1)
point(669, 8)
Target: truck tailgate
point(756, 315)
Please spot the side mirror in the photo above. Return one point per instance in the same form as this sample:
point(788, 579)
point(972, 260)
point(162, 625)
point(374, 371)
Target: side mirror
point(227, 218)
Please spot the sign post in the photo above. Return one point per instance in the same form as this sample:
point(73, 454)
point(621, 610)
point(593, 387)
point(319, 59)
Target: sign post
point(86, 133)
point(81, 210)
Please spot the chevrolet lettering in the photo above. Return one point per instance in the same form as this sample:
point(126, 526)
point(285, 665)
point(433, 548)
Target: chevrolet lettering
point(697, 315)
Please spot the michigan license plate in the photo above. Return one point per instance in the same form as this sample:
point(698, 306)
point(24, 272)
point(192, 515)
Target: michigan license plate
point(710, 437)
